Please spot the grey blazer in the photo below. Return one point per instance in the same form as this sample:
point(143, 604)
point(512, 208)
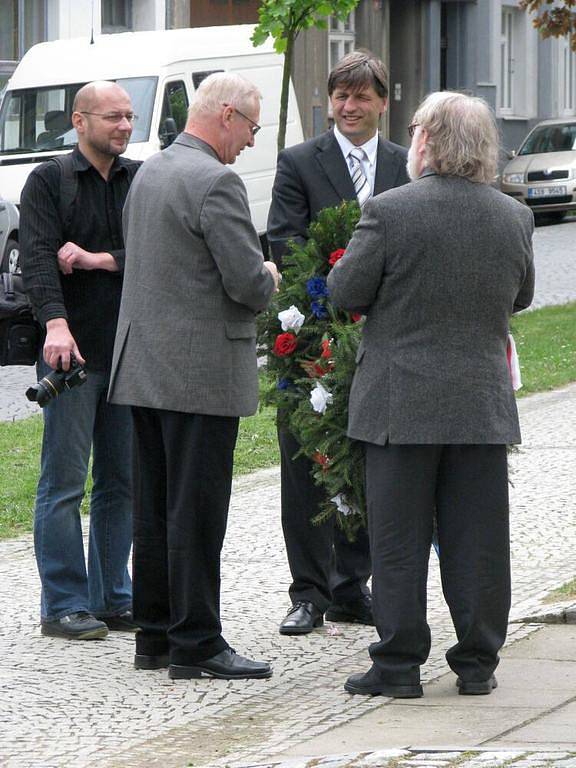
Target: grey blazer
point(193, 281)
point(314, 175)
point(438, 266)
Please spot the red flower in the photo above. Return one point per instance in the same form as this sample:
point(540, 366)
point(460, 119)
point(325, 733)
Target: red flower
point(326, 349)
point(285, 345)
point(335, 256)
point(355, 316)
point(321, 459)
point(319, 371)
point(313, 370)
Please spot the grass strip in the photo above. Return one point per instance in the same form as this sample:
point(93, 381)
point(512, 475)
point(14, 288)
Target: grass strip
point(20, 444)
point(546, 343)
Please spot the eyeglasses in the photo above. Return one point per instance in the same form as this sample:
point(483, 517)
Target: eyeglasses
point(254, 126)
point(114, 117)
point(412, 129)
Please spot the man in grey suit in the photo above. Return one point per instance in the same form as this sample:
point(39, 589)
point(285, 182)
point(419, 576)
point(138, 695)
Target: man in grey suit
point(185, 360)
point(438, 267)
point(351, 162)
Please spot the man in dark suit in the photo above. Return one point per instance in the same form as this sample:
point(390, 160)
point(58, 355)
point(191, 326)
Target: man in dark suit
point(351, 162)
point(438, 267)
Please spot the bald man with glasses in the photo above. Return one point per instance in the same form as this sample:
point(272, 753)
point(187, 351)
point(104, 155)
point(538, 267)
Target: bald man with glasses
point(72, 257)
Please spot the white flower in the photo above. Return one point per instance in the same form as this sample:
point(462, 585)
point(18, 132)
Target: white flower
point(292, 319)
point(320, 398)
point(343, 507)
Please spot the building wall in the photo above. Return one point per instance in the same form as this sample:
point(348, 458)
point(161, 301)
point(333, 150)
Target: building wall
point(407, 54)
point(487, 48)
point(310, 75)
point(427, 44)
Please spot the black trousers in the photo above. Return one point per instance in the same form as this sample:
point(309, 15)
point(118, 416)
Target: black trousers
point(467, 487)
point(183, 479)
point(326, 568)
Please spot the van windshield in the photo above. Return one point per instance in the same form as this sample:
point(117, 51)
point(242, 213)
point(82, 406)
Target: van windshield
point(39, 119)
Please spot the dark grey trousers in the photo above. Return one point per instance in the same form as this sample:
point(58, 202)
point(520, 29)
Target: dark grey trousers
point(326, 568)
point(182, 485)
point(466, 486)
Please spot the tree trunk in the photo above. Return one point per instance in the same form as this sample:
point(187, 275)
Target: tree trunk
point(282, 120)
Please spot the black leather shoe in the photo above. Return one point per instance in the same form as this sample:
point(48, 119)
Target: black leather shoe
point(301, 619)
point(371, 684)
point(356, 611)
point(121, 622)
point(146, 661)
point(226, 665)
point(76, 626)
point(482, 688)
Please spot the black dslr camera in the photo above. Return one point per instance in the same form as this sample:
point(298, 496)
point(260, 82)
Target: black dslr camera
point(56, 382)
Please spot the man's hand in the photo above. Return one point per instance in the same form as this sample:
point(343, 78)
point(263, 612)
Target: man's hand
point(71, 257)
point(60, 344)
point(273, 269)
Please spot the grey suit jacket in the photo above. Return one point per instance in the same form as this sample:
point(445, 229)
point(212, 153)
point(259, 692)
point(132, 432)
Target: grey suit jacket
point(314, 175)
point(193, 281)
point(438, 266)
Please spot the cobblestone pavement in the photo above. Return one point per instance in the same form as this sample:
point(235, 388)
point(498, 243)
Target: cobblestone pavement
point(405, 758)
point(555, 255)
point(555, 260)
point(81, 704)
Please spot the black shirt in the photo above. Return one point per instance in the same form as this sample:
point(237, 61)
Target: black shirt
point(88, 299)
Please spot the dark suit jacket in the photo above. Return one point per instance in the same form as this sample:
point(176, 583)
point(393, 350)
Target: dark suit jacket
point(438, 267)
point(314, 175)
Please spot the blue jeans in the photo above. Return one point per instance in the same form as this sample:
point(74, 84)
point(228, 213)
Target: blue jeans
point(75, 422)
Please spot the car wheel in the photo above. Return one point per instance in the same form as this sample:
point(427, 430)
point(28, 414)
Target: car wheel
point(10, 257)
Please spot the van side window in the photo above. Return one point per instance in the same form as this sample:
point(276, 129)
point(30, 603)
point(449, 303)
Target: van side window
point(174, 112)
point(197, 77)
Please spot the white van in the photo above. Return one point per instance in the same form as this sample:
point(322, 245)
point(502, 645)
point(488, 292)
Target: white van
point(160, 71)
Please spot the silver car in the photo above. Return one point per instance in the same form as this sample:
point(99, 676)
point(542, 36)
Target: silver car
point(9, 248)
point(543, 173)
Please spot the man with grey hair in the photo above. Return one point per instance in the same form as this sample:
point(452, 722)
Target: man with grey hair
point(438, 266)
point(185, 360)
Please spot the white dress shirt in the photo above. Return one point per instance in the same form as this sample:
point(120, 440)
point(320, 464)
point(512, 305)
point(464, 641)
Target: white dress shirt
point(370, 151)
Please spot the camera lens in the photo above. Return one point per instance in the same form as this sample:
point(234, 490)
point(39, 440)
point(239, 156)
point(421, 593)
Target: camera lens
point(44, 393)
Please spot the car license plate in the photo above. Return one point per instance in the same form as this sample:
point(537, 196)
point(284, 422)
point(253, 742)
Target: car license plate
point(558, 191)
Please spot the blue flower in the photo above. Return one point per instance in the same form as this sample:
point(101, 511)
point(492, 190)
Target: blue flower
point(319, 310)
point(284, 384)
point(317, 287)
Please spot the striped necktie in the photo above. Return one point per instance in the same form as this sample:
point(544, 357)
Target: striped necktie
point(361, 185)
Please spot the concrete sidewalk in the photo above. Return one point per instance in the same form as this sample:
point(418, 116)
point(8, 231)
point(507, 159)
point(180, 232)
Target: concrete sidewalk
point(530, 720)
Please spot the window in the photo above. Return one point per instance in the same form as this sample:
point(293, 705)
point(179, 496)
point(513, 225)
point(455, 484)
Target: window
point(507, 61)
point(567, 78)
point(341, 38)
point(9, 50)
point(560, 137)
point(174, 112)
point(22, 25)
point(116, 16)
point(39, 119)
